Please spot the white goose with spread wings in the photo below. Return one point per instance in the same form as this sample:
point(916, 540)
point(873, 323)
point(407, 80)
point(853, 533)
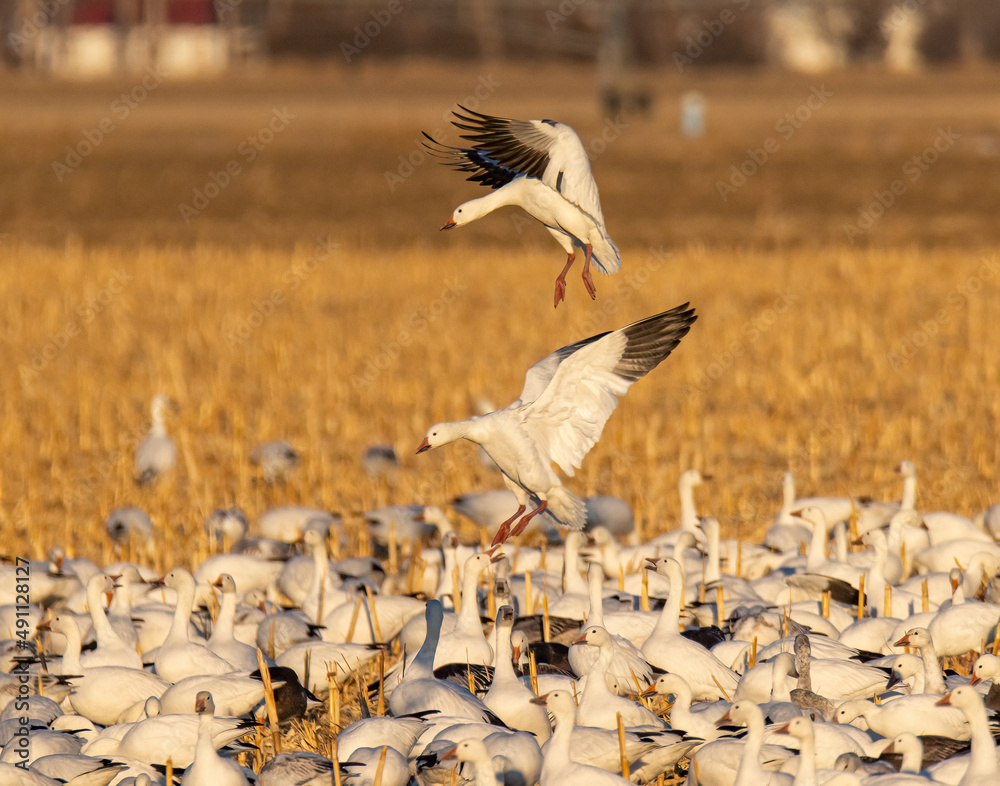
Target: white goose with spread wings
point(567, 399)
point(542, 167)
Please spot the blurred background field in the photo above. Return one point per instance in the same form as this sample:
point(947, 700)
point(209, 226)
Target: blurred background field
point(313, 299)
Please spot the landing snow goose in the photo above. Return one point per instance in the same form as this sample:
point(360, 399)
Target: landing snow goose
point(179, 657)
point(566, 401)
point(542, 167)
point(834, 508)
point(508, 697)
point(420, 691)
point(559, 767)
point(668, 650)
point(157, 453)
point(598, 706)
point(103, 693)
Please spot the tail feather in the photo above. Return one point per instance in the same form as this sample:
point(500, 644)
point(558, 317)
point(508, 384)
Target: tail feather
point(567, 508)
point(606, 256)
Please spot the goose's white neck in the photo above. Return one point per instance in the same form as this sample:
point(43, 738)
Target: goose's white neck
point(787, 493)
point(689, 516)
point(71, 655)
point(750, 772)
point(225, 623)
point(806, 774)
point(102, 628)
point(595, 586)
point(572, 580)
point(669, 621)
point(182, 613)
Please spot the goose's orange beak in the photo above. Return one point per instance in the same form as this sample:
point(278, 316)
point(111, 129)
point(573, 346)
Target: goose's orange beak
point(425, 445)
point(449, 225)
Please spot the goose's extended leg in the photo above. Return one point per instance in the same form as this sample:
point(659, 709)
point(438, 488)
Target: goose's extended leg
point(588, 282)
point(561, 281)
point(504, 532)
point(525, 521)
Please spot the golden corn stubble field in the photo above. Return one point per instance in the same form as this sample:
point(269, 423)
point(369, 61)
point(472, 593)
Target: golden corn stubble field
point(309, 296)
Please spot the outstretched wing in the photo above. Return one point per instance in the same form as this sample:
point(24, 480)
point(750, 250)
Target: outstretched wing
point(569, 396)
point(542, 149)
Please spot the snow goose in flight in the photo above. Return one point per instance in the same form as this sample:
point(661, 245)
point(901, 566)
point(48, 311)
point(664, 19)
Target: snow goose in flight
point(542, 167)
point(157, 453)
point(566, 401)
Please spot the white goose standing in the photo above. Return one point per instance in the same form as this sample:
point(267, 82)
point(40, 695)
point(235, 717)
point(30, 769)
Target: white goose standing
point(567, 398)
point(179, 657)
point(508, 697)
point(542, 167)
point(667, 649)
point(157, 453)
point(208, 767)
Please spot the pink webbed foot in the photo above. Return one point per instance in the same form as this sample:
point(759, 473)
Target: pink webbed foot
point(561, 281)
point(523, 523)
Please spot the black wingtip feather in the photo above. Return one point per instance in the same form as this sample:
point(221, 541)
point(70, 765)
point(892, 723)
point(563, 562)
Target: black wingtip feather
point(650, 341)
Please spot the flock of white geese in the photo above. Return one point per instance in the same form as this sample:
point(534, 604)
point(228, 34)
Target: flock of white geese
point(815, 657)
point(741, 663)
